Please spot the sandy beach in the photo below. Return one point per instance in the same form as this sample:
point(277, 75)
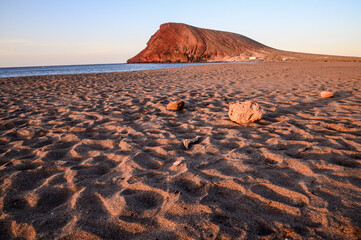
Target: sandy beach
point(98, 156)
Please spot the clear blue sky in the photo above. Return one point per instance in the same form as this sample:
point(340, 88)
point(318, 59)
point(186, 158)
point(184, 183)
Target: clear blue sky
point(57, 32)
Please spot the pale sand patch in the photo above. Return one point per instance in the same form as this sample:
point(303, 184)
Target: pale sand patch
point(98, 156)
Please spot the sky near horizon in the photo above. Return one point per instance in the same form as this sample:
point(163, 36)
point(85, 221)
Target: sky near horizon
point(66, 32)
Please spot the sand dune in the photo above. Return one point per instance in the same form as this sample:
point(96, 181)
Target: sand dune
point(98, 156)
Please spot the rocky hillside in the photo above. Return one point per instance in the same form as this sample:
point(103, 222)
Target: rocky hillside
point(178, 42)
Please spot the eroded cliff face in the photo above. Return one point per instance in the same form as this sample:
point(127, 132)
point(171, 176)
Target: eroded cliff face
point(178, 42)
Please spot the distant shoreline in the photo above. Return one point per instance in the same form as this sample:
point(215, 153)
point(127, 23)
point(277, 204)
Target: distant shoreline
point(94, 68)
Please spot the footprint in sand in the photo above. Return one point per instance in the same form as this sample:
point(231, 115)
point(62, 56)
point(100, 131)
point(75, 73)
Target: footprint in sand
point(138, 200)
point(146, 161)
point(51, 197)
point(31, 179)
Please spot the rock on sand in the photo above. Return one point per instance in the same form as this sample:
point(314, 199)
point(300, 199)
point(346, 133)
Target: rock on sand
point(326, 94)
point(175, 106)
point(245, 112)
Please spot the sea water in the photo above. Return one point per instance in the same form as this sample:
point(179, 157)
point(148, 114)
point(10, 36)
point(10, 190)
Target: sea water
point(94, 68)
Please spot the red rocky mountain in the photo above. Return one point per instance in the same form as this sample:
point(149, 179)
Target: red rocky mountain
point(178, 42)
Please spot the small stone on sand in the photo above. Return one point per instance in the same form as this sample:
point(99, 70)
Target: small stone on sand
point(175, 106)
point(326, 94)
point(177, 163)
point(245, 112)
point(186, 142)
